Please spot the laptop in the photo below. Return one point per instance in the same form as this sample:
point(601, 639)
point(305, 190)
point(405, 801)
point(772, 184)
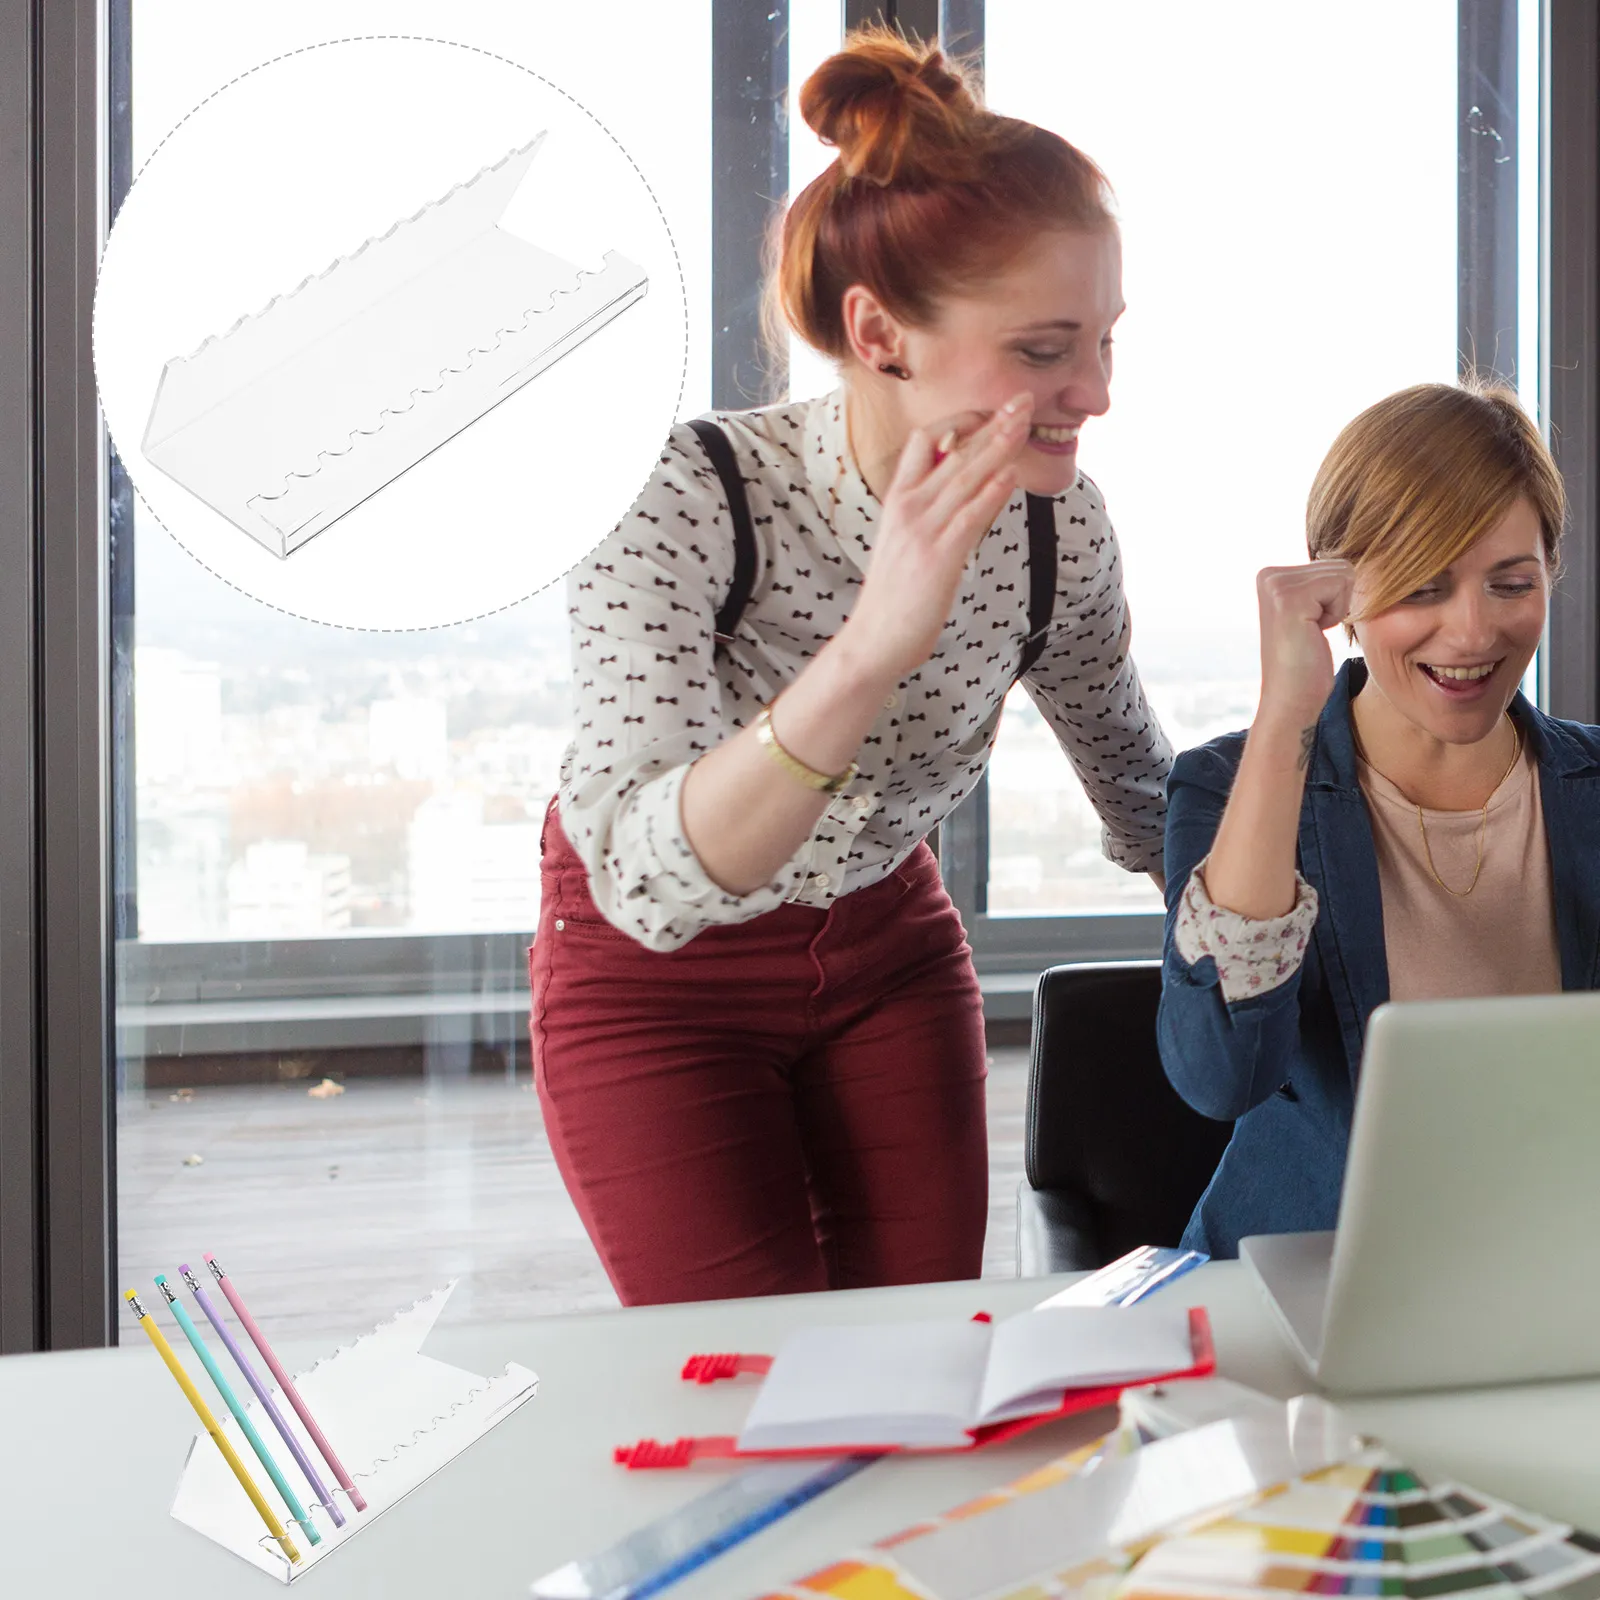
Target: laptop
point(1467, 1249)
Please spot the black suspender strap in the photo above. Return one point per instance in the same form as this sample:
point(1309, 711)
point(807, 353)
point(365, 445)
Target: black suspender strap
point(720, 451)
point(1041, 549)
point(1041, 576)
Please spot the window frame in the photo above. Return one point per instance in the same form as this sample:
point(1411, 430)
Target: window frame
point(57, 1163)
point(61, 608)
point(1569, 344)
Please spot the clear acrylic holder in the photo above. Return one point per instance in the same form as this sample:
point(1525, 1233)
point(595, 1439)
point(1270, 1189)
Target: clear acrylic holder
point(393, 1415)
point(301, 410)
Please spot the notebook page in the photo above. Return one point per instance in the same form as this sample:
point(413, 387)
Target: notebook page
point(875, 1384)
point(1034, 1357)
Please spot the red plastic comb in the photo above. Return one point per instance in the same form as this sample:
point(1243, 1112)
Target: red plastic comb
point(651, 1453)
point(723, 1364)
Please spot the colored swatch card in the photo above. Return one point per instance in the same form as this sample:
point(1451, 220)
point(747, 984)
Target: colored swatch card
point(1372, 1526)
point(1077, 1525)
point(397, 1417)
point(303, 409)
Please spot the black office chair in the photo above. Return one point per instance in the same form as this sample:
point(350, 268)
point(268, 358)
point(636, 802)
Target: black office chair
point(1114, 1158)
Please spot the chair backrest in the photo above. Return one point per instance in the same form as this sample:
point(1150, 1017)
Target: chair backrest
point(1102, 1120)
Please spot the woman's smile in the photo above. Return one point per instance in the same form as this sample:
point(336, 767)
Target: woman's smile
point(1461, 683)
point(1054, 439)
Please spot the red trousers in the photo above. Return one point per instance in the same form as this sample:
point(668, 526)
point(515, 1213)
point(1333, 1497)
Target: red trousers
point(795, 1102)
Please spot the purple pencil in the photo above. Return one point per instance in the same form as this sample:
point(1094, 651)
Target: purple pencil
point(242, 1362)
point(275, 1367)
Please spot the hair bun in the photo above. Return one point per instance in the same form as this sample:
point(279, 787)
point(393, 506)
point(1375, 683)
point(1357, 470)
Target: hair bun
point(896, 111)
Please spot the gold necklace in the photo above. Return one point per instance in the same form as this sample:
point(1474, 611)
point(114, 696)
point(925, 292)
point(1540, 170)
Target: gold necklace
point(1483, 821)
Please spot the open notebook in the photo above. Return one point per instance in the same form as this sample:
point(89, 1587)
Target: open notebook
point(930, 1384)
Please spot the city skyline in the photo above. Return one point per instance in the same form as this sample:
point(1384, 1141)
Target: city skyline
point(295, 779)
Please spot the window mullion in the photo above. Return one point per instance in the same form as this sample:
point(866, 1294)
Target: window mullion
point(750, 176)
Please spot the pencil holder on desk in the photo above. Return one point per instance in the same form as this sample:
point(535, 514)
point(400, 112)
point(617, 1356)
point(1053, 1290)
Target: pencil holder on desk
point(397, 1417)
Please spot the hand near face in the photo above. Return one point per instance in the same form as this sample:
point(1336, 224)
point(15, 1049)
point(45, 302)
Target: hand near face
point(952, 481)
point(1298, 606)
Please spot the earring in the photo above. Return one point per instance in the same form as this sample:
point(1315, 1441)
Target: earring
point(893, 370)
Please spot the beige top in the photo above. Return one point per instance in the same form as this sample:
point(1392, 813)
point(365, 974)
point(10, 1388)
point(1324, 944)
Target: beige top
point(1501, 938)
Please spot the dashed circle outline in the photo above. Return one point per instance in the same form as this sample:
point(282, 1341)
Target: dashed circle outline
point(455, 44)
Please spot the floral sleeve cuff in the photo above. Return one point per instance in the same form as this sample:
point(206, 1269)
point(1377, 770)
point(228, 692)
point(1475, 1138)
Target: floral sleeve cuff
point(1252, 956)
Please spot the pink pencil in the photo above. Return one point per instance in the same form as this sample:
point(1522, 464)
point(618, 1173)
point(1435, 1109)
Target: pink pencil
point(286, 1383)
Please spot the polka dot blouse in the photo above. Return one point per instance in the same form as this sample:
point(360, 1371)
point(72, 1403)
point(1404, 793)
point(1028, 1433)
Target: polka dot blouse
point(652, 691)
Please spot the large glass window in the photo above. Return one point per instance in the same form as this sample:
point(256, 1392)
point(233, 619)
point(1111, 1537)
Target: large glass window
point(328, 872)
point(1286, 179)
point(295, 780)
point(814, 34)
point(332, 868)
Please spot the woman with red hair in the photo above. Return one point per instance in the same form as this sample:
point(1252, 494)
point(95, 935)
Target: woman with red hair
point(758, 1036)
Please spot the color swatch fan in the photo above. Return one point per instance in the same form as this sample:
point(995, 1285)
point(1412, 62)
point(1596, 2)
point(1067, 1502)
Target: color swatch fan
point(1372, 1527)
point(1077, 1525)
point(1281, 1500)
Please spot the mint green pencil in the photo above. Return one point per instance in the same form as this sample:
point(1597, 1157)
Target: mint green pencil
point(231, 1400)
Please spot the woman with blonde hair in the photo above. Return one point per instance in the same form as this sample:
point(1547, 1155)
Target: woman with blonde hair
point(1410, 828)
point(758, 1036)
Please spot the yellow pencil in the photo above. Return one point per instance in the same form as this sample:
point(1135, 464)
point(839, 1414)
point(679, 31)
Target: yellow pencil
point(193, 1396)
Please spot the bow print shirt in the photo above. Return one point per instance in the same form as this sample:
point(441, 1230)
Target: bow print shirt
point(652, 691)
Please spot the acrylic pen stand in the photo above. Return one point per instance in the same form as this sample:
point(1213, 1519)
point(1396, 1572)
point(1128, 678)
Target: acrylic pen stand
point(303, 409)
point(393, 1416)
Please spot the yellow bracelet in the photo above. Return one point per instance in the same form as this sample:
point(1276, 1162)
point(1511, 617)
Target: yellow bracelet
point(809, 776)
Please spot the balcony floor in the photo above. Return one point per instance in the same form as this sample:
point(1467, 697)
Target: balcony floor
point(335, 1213)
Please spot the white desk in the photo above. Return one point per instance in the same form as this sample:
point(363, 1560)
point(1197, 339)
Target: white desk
point(94, 1441)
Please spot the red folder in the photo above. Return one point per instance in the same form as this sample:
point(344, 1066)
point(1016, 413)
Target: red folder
point(651, 1453)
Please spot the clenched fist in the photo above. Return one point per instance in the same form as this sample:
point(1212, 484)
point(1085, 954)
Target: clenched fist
point(1298, 606)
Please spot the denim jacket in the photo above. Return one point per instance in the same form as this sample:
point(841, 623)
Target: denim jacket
point(1283, 1065)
